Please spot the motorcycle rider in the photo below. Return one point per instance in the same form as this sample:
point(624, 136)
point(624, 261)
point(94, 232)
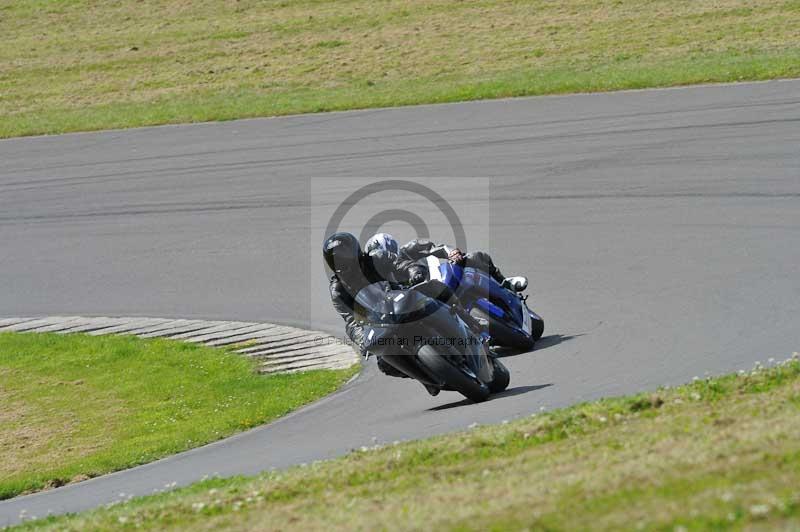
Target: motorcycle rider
point(410, 254)
point(354, 269)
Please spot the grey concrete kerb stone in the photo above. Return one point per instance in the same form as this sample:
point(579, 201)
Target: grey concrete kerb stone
point(277, 348)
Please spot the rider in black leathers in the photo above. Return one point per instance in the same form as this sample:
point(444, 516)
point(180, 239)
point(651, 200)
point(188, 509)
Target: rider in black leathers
point(353, 270)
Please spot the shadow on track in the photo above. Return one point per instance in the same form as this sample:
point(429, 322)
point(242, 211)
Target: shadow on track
point(542, 343)
point(511, 392)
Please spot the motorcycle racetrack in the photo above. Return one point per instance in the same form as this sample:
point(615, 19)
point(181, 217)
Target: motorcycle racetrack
point(660, 231)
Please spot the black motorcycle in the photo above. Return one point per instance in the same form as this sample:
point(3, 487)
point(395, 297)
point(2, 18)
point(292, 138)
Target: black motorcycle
point(422, 336)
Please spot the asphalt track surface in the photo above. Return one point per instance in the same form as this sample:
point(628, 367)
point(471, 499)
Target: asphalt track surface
point(660, 230)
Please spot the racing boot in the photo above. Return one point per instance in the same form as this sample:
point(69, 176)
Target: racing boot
point(433, 390)
point(516, 284)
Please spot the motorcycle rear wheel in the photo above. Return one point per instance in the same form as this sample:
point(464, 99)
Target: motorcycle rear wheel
point(446, 373)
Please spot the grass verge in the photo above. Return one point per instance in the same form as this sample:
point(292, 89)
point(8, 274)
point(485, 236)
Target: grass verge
point(77, 406)
point(716, 454)
point(72, 65)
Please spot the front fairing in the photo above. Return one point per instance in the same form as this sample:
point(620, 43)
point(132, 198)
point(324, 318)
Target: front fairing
point(451, 275)
point(381, 340)
point(401, 321)
point(445, 328)
point(476, 285)
point(514, 306)
point(382, 304)
point(371, 303)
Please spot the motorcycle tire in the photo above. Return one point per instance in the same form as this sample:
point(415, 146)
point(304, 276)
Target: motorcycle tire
point(537, 328)
point(449, 375)
point(503, 335)
point(501, 379)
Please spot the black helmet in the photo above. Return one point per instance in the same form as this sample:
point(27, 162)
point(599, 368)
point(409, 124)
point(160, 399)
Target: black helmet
point(341, 251)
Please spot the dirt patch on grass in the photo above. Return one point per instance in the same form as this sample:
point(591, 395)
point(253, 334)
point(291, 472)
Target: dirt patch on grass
point(32, 435)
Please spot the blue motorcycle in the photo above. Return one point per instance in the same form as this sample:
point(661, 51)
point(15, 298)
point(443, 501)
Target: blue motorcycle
point(511, 323)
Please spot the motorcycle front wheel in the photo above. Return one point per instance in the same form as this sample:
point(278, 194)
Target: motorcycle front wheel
point(501, 377)
point(446, 373)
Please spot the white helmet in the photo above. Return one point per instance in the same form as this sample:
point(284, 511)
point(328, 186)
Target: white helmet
point(381, 241)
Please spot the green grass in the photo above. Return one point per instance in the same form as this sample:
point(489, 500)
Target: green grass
point(720, 453)
point(77, 406)
point(69, 65)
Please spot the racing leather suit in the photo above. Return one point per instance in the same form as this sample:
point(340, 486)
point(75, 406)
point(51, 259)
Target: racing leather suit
point(421, 248)
point(380, 266)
